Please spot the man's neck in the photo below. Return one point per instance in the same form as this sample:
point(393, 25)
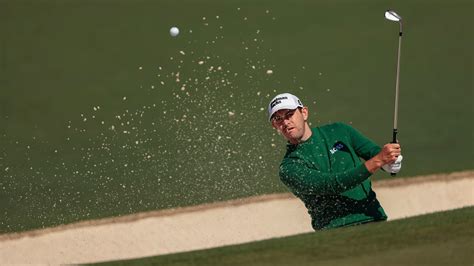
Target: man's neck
point(307, 134)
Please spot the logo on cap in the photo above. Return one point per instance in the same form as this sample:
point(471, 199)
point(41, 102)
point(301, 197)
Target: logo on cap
point(277, 101)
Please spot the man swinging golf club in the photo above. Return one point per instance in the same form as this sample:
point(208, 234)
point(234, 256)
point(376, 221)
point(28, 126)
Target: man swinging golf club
point(323, 167)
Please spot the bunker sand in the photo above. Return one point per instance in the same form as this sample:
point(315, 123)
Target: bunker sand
point(217, 224)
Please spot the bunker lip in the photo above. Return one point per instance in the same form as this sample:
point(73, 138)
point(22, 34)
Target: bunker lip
point(405, 181)
point(217, 224)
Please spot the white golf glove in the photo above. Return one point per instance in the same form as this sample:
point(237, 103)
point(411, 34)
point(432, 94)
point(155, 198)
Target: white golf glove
point(394, 167)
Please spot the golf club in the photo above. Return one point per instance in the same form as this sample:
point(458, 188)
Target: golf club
point(393, 16)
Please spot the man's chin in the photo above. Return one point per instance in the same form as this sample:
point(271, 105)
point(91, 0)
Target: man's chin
point(292, 138)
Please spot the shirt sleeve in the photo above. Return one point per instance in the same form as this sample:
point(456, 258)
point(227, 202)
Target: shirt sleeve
point(301, 178)
point(363, 146)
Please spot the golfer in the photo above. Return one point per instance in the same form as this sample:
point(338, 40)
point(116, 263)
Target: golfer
point(323, 167)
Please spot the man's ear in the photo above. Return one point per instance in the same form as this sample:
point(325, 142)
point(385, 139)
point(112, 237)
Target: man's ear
point(305, 113)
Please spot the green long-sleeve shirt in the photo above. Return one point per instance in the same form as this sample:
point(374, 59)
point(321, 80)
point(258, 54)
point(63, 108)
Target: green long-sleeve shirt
point(327, 174)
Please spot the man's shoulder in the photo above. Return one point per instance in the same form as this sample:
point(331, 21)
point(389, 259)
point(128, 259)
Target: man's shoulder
point(332, 126)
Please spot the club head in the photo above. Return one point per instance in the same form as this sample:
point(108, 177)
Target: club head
point(392, 16)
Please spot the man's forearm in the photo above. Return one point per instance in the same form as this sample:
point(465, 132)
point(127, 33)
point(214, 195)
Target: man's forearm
point(387, 155)
point(374, 164)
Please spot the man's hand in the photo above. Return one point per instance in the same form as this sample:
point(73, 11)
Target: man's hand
point(388, 155)
point(394, 167)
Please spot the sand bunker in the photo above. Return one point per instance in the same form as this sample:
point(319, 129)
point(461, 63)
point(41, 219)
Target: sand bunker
point(217, 224)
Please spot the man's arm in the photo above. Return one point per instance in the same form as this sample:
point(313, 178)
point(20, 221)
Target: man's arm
point(299, 177)
point(375, 156)
point(363, 146)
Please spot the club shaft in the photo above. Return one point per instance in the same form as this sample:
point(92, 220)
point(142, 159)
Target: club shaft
point(397, 83)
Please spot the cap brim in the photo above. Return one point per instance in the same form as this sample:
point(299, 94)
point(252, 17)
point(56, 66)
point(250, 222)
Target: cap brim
point(289, 107)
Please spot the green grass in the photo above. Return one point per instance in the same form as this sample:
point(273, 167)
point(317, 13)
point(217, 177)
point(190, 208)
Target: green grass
point(152, 146)
point(444, 238)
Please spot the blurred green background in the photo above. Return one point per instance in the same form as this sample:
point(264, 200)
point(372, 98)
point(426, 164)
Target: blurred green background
point(103, 113)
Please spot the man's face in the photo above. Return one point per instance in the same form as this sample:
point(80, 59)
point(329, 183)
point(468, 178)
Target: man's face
point(291, 123)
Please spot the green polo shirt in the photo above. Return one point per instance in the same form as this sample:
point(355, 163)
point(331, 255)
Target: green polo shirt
point(326, 172)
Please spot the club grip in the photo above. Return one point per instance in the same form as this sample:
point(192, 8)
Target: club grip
point(394, 140)
point(394, 135)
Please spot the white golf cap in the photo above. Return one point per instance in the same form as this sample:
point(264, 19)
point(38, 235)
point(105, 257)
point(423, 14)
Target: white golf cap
point(283, 101)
